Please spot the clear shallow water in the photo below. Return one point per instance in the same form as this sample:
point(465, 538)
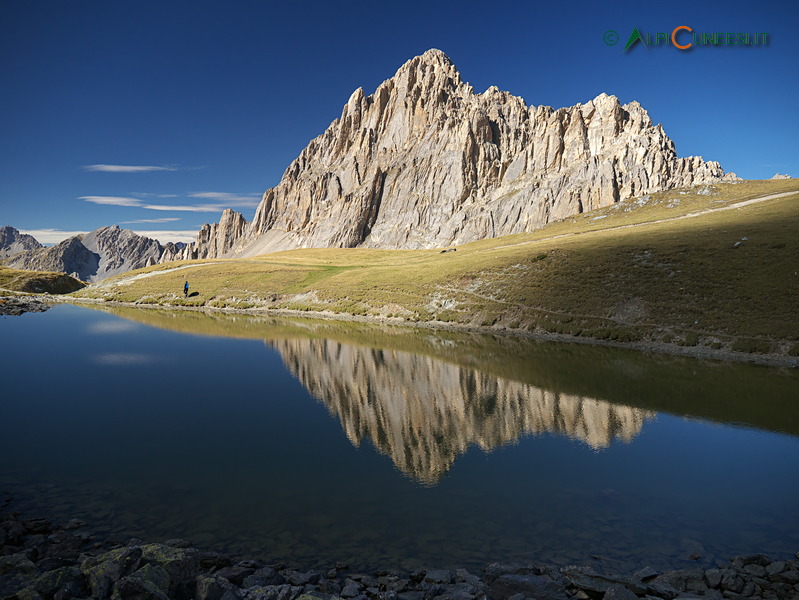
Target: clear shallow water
point(311, 442)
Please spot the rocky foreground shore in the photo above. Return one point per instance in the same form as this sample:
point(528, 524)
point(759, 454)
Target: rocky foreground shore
point(18, 305)
point(42, 561)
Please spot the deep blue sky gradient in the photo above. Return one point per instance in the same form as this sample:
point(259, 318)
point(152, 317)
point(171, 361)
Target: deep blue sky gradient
point(228, 93)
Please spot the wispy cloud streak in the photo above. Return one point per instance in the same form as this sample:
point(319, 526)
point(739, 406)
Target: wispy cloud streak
point(223, 200)
point(51, 236)
point(161, 220)
point(129, 168)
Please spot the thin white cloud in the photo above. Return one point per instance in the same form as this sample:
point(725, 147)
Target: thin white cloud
point(186, 208)
point(149, 195)
point(231, 199)
point(137, 203)
point(112, 200)
point(123, 359)
point(51, 236)
point(163, 237)
point(129, 168)
point(161, 220)
point(104, 327)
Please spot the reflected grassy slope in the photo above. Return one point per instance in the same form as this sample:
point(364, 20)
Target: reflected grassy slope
point(745, 394)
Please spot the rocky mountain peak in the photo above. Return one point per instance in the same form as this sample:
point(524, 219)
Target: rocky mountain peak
point(13, 242)
point(93, 256)
point(425, 162)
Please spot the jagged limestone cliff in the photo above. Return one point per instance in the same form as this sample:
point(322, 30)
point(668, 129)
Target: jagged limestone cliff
point(426, 162)
point(423, 412)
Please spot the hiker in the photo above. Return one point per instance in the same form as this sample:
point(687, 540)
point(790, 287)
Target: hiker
point(186, 289)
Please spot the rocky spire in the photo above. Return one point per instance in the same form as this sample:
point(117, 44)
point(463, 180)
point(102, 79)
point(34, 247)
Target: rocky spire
point(425, 162)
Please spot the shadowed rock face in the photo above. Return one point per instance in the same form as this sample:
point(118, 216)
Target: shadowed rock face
point(98, 254)
point(13, 242)
point(425, 162)
point(423, 412)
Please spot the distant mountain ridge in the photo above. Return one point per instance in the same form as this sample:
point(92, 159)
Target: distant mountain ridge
point(13, 242)
point(91, 257)
point(425, 162)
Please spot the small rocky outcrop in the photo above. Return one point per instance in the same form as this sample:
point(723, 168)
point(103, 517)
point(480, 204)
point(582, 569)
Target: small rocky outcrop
point(13, 242)
point(40, 561)
point(213, 240)
point(781, 176)
point(19, 305)
point(425, 162)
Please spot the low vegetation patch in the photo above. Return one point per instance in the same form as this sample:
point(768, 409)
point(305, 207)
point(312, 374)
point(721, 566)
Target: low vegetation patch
point(38, 282)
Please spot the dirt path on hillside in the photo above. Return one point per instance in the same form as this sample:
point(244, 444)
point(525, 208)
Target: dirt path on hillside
point(128, 280)
point(677, 218)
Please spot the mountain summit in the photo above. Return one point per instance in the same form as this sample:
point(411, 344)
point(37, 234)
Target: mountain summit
point(424, 161)
point(91, 257)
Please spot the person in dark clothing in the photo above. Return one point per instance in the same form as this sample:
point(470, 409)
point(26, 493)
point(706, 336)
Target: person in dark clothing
point(186, 289)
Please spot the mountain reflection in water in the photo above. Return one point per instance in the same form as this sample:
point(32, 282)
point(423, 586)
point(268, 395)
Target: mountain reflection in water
point(423, 412)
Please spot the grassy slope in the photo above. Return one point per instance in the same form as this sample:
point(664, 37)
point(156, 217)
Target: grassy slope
point(678, 280)
point(37, 282)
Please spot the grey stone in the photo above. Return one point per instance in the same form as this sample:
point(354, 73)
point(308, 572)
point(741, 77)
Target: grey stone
point(731, 581)
point(210, 587)
point(619, 592)
point(16, 563)
point(645, 574)
point(713, 577)
point(439, 576)
point(753, 559)
point(789, 577)
point(231, 594)
point(105, 570)
point(749, 589)
point(65, 578)
point(410, 595)
point(181, 564)
point(235, 574)
point(298, 578)
point(263, 577)
point(776, 567)
point(754, 570)
point(151, 582)
point(350, 589)
point(533, 586)
point(466, 577)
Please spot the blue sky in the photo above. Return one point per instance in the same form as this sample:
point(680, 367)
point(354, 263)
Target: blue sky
point(158, 115)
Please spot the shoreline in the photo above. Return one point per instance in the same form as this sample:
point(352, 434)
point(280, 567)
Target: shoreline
point(40, 560)
point(698, 352)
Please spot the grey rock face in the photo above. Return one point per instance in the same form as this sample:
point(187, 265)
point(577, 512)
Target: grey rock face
point(69, 256)
point(426, 162)
point(13, 242)
point(99, 254)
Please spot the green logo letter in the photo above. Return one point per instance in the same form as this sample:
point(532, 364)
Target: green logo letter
point(634, 37)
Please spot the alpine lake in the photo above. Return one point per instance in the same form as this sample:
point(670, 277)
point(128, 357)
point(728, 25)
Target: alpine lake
point(308, 442)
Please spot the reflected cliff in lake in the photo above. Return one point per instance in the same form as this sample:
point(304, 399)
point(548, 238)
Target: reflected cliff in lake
point(723, 392)
point(423, 412)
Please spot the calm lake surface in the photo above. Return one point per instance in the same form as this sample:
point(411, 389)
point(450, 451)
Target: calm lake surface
point(310, 442)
